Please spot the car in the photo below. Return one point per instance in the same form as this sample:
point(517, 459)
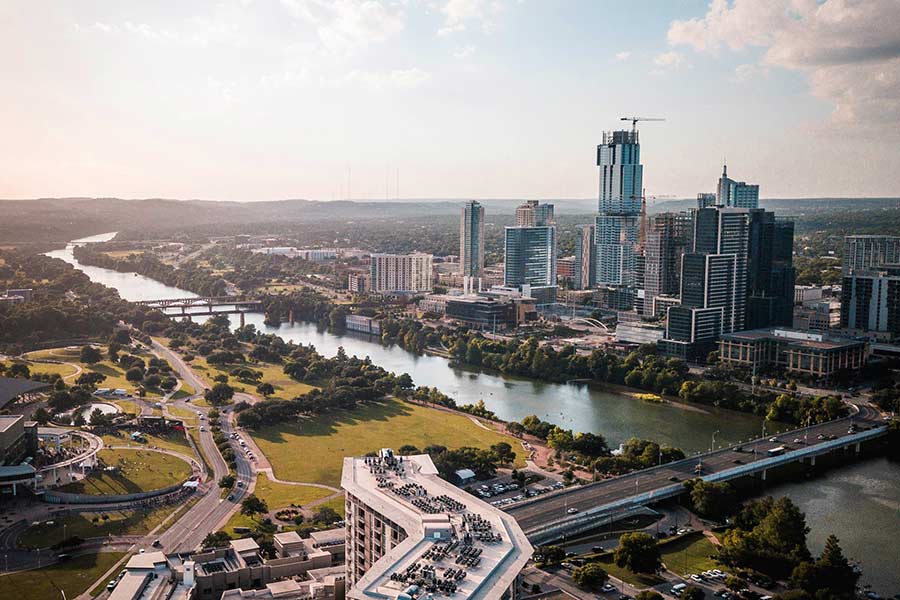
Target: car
point(623, 597)
point(773, 439)
point(240, 484)
point(572, 510)
point(157, 543)
point(202, 428)
point(567, 565)
point(596, 549)
point(230, 497)
point(141, 551)
point(738, 461)
point(697, 578)
point(798, 441)
point(821, 436)
point(673, 478)
point(607, 588)
point(112, 585)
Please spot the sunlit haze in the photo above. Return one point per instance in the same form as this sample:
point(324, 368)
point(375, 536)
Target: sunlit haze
point(262, 100)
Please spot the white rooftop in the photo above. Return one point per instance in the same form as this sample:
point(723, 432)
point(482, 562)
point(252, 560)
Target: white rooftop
point(440, 520)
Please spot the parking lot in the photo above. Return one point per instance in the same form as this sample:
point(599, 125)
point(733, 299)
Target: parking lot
point(503, 492)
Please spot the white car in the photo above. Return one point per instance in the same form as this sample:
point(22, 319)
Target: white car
point(572, 511)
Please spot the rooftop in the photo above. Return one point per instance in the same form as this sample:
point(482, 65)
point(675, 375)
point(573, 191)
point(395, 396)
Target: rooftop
point(7, 421)
point(457, 544)
point(11, 388)
point(795, 337)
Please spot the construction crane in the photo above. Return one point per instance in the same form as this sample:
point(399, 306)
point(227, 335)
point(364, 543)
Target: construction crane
point(634, 120)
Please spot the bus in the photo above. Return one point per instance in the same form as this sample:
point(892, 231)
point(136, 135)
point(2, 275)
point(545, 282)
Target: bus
point(777, 451)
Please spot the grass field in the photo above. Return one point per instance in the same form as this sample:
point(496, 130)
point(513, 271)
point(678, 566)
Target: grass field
point(282, 495)
point(639, 580)
point(139, 471)
point(125, 522)
point(175, 441)
point(115, 375)
point(46, 368)
point(188, 416)
point(72, 577)
point(312, 450)
point(285, 387)
point(689, 554)
point(128, 406)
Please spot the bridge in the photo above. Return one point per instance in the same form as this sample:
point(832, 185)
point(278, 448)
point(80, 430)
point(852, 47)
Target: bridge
point(547, 518)
point(204, 305)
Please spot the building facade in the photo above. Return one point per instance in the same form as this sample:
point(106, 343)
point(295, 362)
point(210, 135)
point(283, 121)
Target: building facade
point(534, 214)
point(530, 256)
point(471, 240)
point(870, 302)
point(620, 200)
point(813, 354)
point(400, 273)
point(736, 194)
point(869, 252)
point(585, 258)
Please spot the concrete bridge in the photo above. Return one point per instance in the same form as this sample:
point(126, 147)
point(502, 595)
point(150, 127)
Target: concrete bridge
point(204, 305)
point(581, 509)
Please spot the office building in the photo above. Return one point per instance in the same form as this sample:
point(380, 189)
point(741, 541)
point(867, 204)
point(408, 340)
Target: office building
point(736, 194)
point(363, 324)
point(358, 282)
point(868, 252)
point(400, 273)
point(705, 200)
point(530, 257)
point(534, 214)
point(400, 513)
point(471, 240)
point(814, 354)
point(658, 266)
point(817, 315)
point(617, 226)
point(585, 258)
point(770, 271)
point(870, 302)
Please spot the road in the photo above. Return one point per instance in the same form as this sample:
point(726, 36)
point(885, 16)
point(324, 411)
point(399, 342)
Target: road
point(555, 507)
point(211, 511)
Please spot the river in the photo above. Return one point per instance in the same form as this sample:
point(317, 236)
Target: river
point(860, 504)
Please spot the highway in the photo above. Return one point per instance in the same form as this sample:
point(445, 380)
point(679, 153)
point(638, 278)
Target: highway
point(211, 511)
point(554, 508)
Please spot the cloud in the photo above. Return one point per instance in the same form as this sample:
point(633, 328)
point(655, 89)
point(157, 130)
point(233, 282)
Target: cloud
point(748, 72)
point(397, 78)
point(669, 59)
point(344, 25)
point(465, 52)
point(622, 56)
point(458, 14)
point(849, 50)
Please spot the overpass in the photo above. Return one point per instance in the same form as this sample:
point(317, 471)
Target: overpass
point(204, 305)
point(547, 518)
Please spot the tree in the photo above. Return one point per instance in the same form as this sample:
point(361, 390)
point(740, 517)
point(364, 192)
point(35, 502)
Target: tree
point(589, 576)
point(252, 505)
point(638, 552)
point(219, 539)
point(90, 355)
point(551, 554)
point(79, 420)
point(134, 374)
point(831, 575)
point(90, 378)
point(407, 450)
point(692, 592)
point(735, 583)
point(265, 389)
point(648, 595)
point(326, 515)
point(712, 500)
point(98, 419)
point(168, 383)
point(504, 452)
point(41, 415)
point(227, 481)
point(220, 394)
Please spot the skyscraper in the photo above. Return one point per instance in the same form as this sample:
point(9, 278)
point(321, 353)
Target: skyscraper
point(867, 252)
point(531, 259)
point(667, 237)
point(471, 240)
point(617, 225)
point(705, 200)
point(585, 257)
point(736, 194)
point(770, 270)
point(870, 301)
point(400, 273)
point(534, 214)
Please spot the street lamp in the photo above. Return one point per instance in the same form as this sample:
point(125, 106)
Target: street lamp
point(712, 446)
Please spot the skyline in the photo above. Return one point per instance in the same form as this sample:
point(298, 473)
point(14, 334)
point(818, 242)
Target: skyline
point(245, 100)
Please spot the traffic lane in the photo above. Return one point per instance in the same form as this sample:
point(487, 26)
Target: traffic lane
point(538, 512)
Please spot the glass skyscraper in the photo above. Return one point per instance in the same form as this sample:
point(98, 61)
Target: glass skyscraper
point(530, 256)
point(617, 226)
point(736, 194)
point(471, 240)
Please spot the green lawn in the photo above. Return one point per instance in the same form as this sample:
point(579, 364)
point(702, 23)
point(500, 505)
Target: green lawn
point(188, 416)
point(46, 368)
point(285, 387)
point(639, 580)
point(689, 554)
point(282, 495)
point(73, 577)
point(139, 471)
point(313, 450)
point(174, 440)
point(125, 522)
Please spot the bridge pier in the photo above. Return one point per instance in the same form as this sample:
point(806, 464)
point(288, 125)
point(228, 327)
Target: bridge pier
point(291, 316)
point(812, 461)
point(763, 474)
point(856, 448)
point(242, 318)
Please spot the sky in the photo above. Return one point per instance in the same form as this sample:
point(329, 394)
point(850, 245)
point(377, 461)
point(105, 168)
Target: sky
point(371, 99)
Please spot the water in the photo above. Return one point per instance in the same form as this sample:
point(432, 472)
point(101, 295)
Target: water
point(573, 406)
point(106, 409)
point(860, 504)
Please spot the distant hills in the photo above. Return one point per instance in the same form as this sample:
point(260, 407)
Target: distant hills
point(62, 219)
